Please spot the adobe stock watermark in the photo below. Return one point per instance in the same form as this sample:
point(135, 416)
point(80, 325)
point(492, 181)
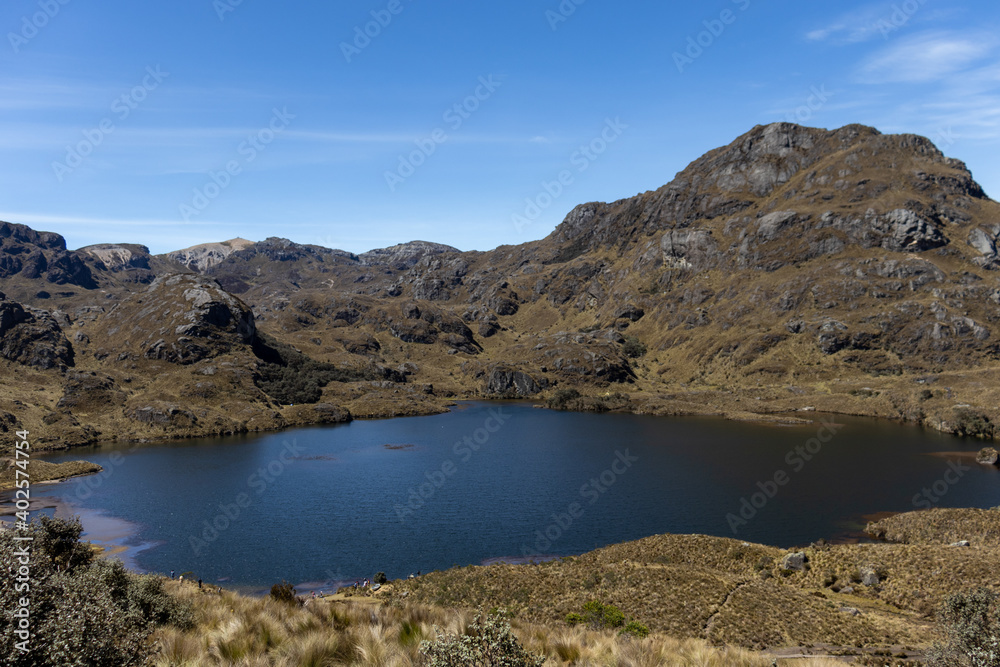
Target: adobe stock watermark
point(562, 13)
point(592, 491)
point(944, 138)
point(900, 16)
point(363, 35)
point(257, 483)
point(454, 118)
point(121, 108)
point(87, 485)
point(714, 28)
point(930, 496)
point(817, 100)
point(248, 150)
point(796, 459)
point(223, 7)
point(463, 450)
point(580, 160)
point(33, 24)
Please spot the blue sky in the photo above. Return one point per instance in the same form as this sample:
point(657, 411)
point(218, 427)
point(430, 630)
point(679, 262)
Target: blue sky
point(176, 123)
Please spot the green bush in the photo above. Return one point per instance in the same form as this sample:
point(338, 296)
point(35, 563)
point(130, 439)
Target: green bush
point(635, 629)
point(83, 612)
point(599, 615)
point(633, 347)
point(575, 618)
point(488, 642)
point(971, 624)
point(380, 578)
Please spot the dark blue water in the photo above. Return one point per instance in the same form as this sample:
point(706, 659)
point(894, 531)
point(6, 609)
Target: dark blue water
point(402, 495)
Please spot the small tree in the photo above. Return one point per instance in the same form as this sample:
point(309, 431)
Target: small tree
point(971, 623)
point(488, 642)
point(380, 578)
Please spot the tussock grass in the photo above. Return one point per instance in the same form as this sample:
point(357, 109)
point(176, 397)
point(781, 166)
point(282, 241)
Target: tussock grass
point(234, 630)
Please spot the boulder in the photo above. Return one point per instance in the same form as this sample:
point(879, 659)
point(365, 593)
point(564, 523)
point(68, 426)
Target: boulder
point(869, 575)
point(960, 543)
point(794, 562)
point(988, 456)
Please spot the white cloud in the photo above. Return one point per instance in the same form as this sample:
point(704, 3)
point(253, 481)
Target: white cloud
point(858, 26)
point(929, 56)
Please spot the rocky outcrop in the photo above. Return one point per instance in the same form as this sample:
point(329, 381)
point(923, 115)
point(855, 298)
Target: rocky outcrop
point(90, 392)
point(988, 456)
point(690, 249)
point(504, 382)
point(131, 263)
point(405, 255)
point(40, 255)
point(180, 319)
point(32, 337)
point(203, 257)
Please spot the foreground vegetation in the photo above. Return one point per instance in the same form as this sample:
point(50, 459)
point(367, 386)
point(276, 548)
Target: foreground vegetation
point(665, 600)
point(231, 629)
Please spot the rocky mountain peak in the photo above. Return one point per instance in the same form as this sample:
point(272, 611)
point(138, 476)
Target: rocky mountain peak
point(405, 255)
point(202, 257)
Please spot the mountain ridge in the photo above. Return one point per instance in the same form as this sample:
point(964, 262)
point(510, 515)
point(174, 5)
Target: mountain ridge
point(845, 270)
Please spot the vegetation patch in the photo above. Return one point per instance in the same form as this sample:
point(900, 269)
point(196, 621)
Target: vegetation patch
point(289, 376)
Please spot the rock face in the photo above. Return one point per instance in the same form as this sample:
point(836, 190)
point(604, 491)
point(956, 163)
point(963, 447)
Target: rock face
point(510, 383)
point(33, 255)
point(32, 337)
point(180, 319)
point(129, 262)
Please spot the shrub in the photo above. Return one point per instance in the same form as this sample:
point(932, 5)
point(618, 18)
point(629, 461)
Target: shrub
point(575, 618)
point(971, 623)
point(635, 629)
point(599, 615)
point(84, 612)
point(973, 424)
point(487, 643)
point(380, 578)
point(633, 347)
point(284, 592)
point(562, 397)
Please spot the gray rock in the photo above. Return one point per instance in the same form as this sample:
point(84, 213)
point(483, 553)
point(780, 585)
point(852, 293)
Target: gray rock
point(905, 231)
point(869, 576)
point(511, 383)
point(960, 543)
point(849, 610)
point(689, 249)
point(794, 561)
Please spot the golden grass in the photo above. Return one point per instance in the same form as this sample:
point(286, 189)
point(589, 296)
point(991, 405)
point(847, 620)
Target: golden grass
point(235, 630)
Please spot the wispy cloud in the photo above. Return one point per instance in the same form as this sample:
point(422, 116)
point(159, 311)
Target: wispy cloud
point(926, 57)
point(853, 27)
